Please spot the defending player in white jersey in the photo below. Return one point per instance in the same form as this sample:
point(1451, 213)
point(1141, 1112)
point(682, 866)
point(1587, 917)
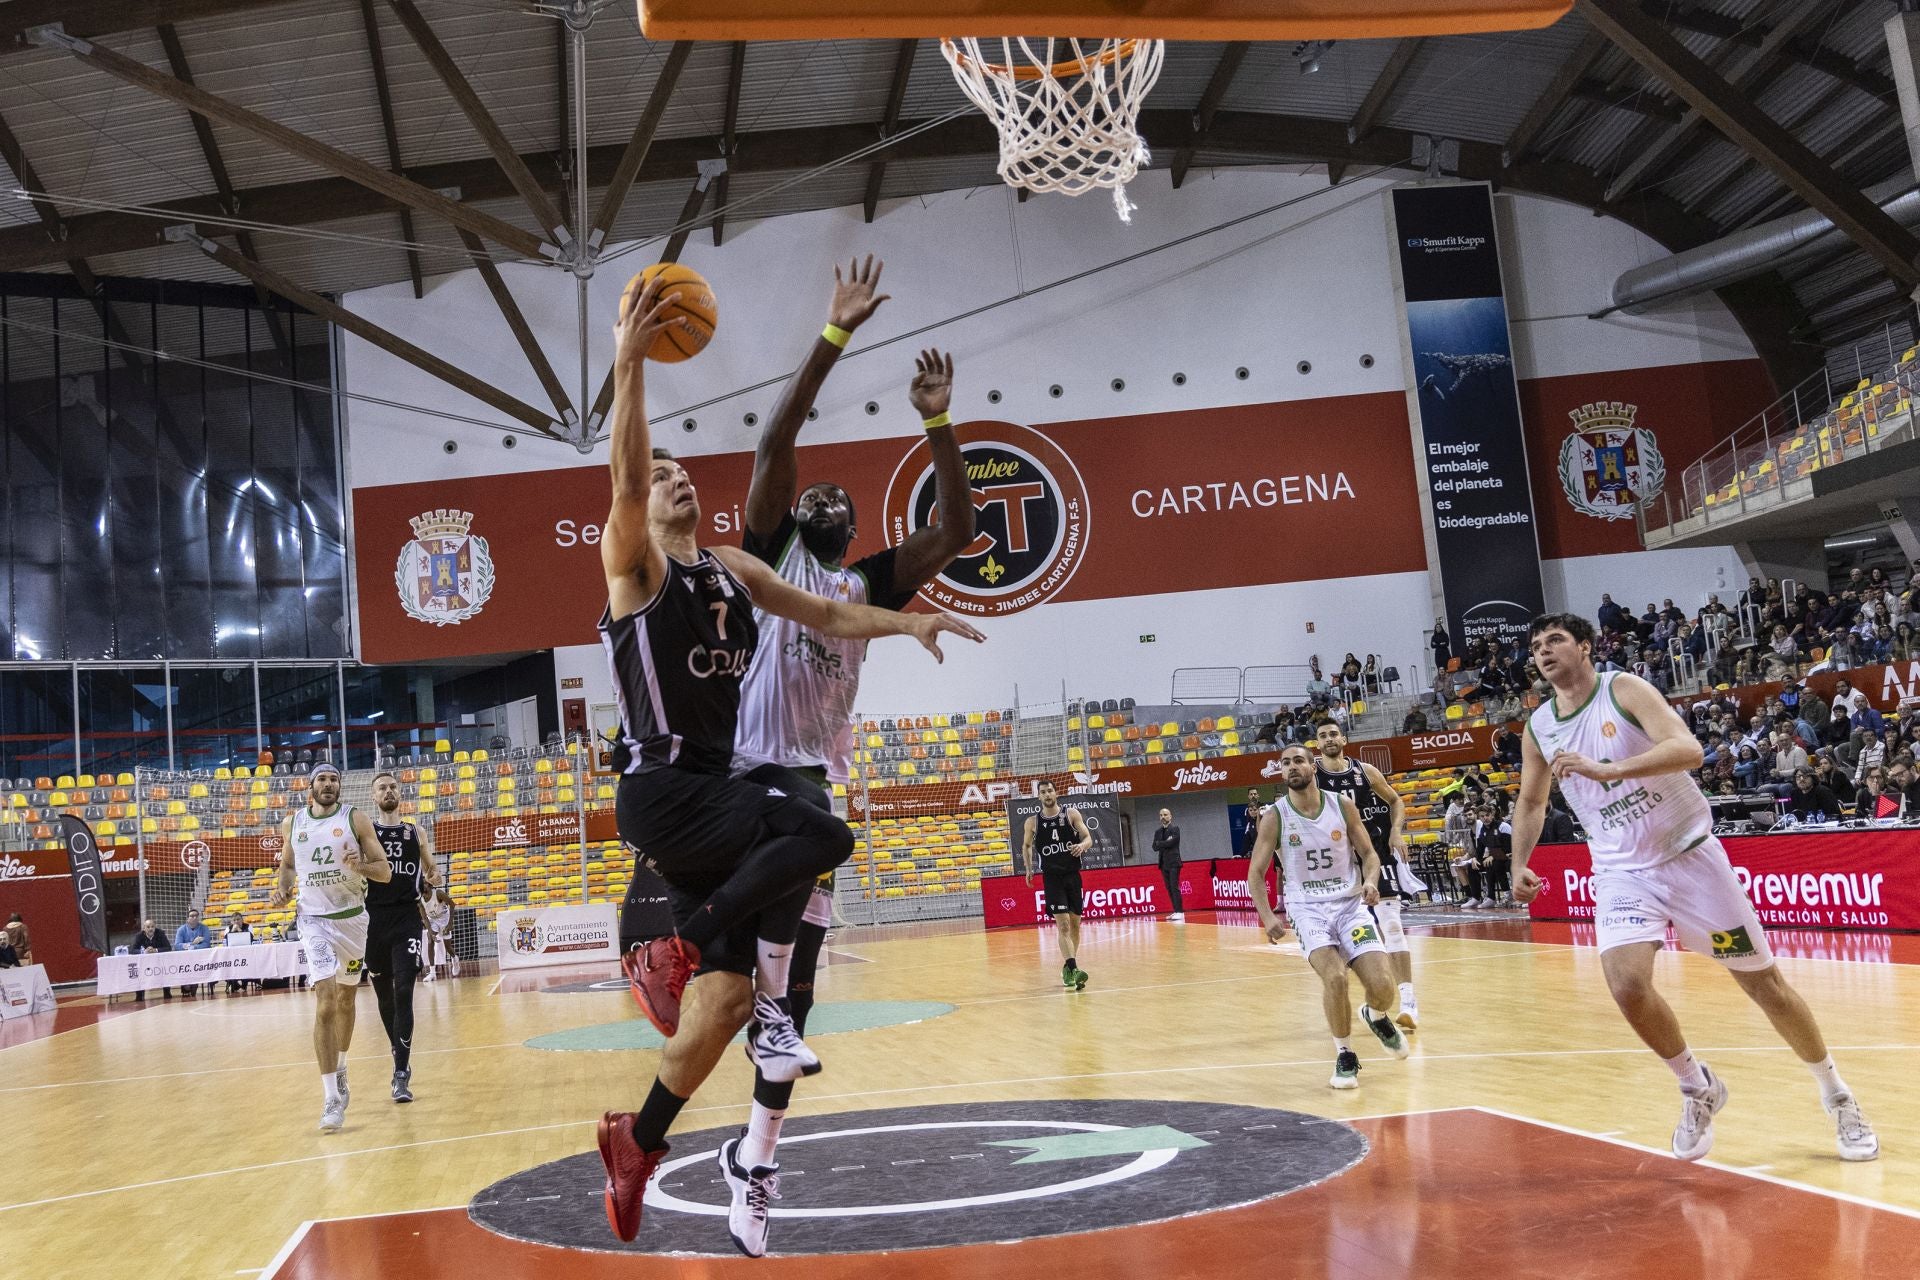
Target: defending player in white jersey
point(1622, 757)
point(328, 853)
point(1329, 878)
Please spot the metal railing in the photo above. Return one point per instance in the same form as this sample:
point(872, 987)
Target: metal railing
point(1770, 460)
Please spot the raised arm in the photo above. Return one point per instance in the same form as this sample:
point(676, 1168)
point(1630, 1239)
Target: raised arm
point(838, 618)
point(372, 862)
point(633, 565)
point(1266, 837)
point(776, 472)
point(925, 552)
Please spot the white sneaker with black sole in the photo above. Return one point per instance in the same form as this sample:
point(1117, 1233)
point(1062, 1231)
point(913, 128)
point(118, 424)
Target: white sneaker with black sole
point(775, 1047)
point(749, 1190)
point(1693, 1136)
point(1852, 1133)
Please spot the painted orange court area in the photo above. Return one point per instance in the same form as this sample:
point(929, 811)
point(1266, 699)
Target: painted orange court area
point(1464, 1193)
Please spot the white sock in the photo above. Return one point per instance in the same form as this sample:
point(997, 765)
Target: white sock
point(1340, 1043)
point(771, 964)
point(1406, 994)
point(331, 1081)
point(763, 1134)
point(340, 1061)
point(1827, 1076)
point(1690, 1073)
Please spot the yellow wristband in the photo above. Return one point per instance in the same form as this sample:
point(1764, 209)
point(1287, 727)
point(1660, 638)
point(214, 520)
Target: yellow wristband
point(837, 336)
point(938, 420)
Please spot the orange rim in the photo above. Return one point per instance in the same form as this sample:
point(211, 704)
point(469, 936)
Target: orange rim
point(1058, 71)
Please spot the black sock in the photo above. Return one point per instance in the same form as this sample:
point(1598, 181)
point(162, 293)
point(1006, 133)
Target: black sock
point(656, 1116)
point(1071, 963)
point(774, 1097)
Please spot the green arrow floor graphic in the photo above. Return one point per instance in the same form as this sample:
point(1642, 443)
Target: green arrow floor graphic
point(1109, 1142)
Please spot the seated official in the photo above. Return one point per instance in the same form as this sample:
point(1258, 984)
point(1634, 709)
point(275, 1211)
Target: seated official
point(150, 941)
point(193, 936)
point(1810, 801)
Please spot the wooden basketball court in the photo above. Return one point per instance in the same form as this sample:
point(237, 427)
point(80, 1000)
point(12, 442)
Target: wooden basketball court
point(1525, 1136)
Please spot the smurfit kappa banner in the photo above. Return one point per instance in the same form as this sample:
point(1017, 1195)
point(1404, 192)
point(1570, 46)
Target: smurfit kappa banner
point(1473, 444)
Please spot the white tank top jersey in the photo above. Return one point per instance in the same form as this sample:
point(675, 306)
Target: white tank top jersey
point(796, 704)
point(1317, 862)
point(1636, 823)
point(328, 887)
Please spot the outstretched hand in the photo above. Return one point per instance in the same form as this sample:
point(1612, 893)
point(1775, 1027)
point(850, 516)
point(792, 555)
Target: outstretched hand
point(928, 626)
point(854, 296)
point(931, 391)
point(642, 322)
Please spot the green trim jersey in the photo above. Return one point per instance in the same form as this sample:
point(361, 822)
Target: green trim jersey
point(1317, 862)
point(796, 703)
point(1634, 824)
point(327, 885)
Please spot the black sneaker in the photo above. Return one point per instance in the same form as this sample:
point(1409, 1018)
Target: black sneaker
point(1384, 1031)
point(1346, 1071)
point(403, 1086)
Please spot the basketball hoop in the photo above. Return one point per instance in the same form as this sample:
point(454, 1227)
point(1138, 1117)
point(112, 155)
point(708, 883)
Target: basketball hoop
point(1066, 125)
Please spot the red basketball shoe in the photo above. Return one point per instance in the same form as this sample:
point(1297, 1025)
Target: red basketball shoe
point(628, 1170)
point(657, 974)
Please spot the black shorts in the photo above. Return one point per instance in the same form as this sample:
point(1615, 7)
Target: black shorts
point(692, 829)
point(393, 943)
point(1062, 890)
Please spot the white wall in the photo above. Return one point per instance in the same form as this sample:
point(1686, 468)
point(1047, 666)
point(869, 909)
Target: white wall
point(1308, 282)
point(1687, 577)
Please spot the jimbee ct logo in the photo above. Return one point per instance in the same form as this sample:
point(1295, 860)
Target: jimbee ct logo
point(1031, 518)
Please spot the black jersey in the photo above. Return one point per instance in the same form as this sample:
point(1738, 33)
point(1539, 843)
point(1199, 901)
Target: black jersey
point(408, 860)
point(1376, 814)
point(1053, 840)
point(677, 664)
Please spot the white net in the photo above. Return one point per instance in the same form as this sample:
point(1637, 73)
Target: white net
point(1067, 110)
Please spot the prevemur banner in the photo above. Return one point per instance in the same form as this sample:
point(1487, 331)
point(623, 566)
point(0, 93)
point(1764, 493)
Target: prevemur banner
point(1473, 450)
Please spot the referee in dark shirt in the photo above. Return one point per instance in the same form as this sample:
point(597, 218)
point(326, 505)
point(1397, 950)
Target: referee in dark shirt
point(1166, 848)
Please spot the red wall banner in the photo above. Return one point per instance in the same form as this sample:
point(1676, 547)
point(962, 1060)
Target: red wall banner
point(493, 564)
point(1216, 885)
point(1868, 880)
point(1578, 502)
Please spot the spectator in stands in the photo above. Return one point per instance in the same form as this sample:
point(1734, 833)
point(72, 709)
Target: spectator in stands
point(17, 935)
point(1783, 652)
point(1611, 616)
point(193, 936)
point(1904, 646)
point(9, 958)
point(1415, 721)
point(1492, 851)
point(1713, 751)
point(1441, 644)
point(1838, 730)
point(1653, 668)
point(1901, 782)
point(150, 941)
point(1350, 676)
point(1811, 802)
point(1814, 709)
point(1872, 799)
point(1557, 827)
point(1789, 757)
point(1319, 692)
point(1506, 748)
point(1273, 731)
point(1829, 775)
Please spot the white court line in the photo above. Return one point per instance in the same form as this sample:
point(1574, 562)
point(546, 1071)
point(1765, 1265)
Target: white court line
point(286, 1250)
point(1385, 1115)
point(259, 1066)
point(496, 985)
point(1753, 1172)
point(1318, 1061)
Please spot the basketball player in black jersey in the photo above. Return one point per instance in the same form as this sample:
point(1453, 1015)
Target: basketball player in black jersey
point(1062, 838)
point(679, 632)
point(394, 923)
point(1385, 816)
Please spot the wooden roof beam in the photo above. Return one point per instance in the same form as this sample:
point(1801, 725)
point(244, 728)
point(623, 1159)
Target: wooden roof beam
point(890, 121)
point(1720, 103)
point(200, 102)
point(495, 138)
point(366, 330)
point(383, 92)
point(1210, 98)
point(736, 74)
point(635, 154)
point(1572, 72)
point(1384, 84)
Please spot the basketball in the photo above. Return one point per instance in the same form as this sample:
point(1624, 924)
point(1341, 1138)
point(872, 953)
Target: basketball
point(691, 316)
